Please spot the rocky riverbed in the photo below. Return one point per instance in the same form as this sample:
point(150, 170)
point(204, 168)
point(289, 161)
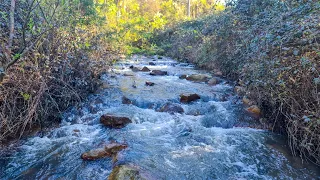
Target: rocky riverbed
point(156, 118)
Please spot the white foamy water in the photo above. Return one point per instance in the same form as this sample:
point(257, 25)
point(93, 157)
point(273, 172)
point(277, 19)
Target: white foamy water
point(201, 143)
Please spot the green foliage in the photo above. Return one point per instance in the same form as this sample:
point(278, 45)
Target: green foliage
point(25, 96)
point(128, 25)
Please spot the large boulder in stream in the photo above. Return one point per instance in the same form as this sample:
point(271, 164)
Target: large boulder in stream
point(187, 98)
point(198, 77)
point(171, 108)
point(112, 121)
point(158, 73)
point(126, 172)
point(107, 151)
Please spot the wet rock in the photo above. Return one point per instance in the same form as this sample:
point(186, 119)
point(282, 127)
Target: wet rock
point(183, 76)
point(239, 90)
point(171, 108)
point(145, 69)
point(107, 151)
point(148, 83)
point(160, 57)
point(131, 67)
point(135, 69)
point(127, 74)
point(126, 100)
point(112, 121)
point(122, 56)
point(152, 63)
point(198, 77)
point(158, 73)
point(246, 101)
point(254, 109)
point(189, 98)
point(126, 172)
point(217, 72)
point(213, 81)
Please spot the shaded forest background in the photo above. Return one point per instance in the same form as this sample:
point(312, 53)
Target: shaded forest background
point(52, 53)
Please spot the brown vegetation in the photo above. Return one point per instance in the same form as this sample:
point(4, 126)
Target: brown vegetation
point(46, 68)
point(272, 49)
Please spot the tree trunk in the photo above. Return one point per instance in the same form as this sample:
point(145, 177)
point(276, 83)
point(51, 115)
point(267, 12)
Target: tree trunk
point(11, 26)
point(189, 6)
point(8, 48)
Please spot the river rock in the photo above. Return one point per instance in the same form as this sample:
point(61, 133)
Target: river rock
point(152, 63)
point(171, 108)
point(122, 56)
point(198, 77)
point(246, 101)
point(239, 90)
point(158, 73)
point(145, 69)
point(217, 72)
point(126, 100)
point(126, 172)
point(107, 151)
point(183, 76)
point(254, 109)
point(148, 83)
point(126, 74)
point(213, 81)
point(112, 121)
point(189, 98)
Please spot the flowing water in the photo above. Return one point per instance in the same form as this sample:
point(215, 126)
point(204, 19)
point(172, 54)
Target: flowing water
point(201, 143)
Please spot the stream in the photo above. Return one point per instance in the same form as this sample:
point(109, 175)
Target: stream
point(204, 142)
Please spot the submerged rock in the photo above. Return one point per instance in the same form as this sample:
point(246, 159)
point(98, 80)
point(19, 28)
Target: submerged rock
point(107, 151)
point(189, 98)
point(148, 83)
point(112, 121)
point(135, 69)
point(172, 108)
point(158, 73)
point(198, 77)
point(152, 63)
point(126, 172)
point(145, 69)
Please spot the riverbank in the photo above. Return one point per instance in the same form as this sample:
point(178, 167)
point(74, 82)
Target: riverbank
point(271, 50)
